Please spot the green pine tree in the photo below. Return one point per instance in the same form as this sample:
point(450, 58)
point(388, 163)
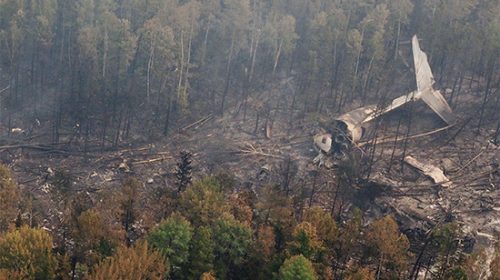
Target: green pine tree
point(172, 238)
point(297, 268)
point(233, 241)
point(201, 253)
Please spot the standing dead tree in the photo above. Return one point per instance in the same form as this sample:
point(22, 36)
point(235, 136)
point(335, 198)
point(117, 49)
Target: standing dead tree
point(183, 172)
point(288, 171)
point(486, 95)
point(497, 133)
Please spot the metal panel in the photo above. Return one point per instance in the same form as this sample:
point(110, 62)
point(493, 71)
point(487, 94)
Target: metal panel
point(425, 81)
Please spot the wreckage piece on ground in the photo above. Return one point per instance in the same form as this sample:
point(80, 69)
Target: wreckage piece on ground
point(348, 128)
point(435, 173)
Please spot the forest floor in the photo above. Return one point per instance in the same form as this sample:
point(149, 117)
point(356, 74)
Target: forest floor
point(277, 147)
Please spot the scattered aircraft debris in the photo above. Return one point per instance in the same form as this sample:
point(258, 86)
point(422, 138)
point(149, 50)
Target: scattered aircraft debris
point(435, 173)
point(349, 128)
point(17, 131)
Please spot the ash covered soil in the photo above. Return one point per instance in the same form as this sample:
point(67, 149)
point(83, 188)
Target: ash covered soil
point(259, 148)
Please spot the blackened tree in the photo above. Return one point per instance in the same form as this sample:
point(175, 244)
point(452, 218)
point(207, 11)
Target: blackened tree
point(183, 172)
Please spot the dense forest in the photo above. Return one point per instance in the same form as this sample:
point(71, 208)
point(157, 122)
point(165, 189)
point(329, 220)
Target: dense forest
point(207, 231)
point(112, 69)
point(99, 75)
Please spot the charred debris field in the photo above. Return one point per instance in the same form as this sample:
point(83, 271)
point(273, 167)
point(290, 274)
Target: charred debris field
point(276, 149)
point(249, 139)
point(241, 147)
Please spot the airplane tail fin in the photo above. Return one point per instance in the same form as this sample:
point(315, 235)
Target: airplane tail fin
point(439, 105)
point(425, 81)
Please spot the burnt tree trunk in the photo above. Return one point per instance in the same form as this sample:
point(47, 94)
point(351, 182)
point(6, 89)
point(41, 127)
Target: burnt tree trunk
point(228, 75)
point(491, 70)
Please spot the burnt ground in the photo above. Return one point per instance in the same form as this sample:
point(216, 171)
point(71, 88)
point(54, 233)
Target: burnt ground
point(278, 148)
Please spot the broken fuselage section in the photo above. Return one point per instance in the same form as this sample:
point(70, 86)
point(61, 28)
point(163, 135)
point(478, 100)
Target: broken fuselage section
point(347, 129)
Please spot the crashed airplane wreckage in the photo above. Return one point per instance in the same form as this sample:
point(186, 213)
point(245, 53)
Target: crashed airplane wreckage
point(348, 128)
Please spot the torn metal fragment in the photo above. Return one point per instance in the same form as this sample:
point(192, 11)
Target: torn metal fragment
point(435, 173)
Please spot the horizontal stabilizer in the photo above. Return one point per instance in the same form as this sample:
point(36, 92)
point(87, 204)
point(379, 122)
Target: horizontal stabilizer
point(396, 103)
point(439, 105)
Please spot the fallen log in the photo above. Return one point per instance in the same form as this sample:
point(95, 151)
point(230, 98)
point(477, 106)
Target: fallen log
point(393, 139)
point(477, 156)
point(40, 147)
point(251, 150)
point(5, 89)
point(151, 160)
point(199, 122)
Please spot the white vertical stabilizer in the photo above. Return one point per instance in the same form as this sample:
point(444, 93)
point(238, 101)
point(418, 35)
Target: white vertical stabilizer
point(425, 81)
